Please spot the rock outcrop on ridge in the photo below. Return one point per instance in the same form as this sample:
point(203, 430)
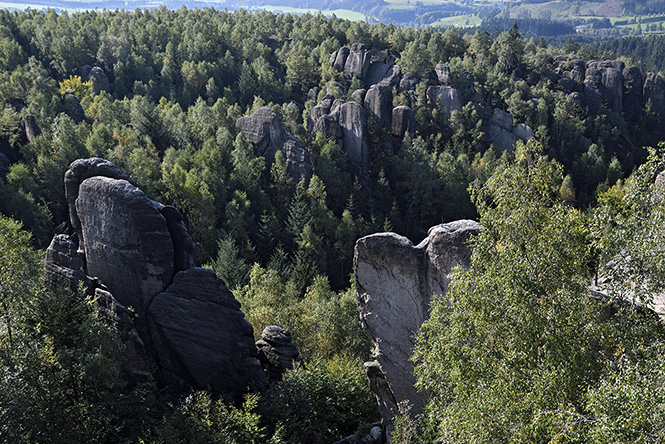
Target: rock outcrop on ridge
point(395, 281)
point(136, 256)
point(265, 131)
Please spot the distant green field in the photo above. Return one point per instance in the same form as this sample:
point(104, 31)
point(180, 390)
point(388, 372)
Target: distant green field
point(340, 13)
point(459, 21)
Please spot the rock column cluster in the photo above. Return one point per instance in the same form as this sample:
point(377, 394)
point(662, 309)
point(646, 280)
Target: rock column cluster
point(136, 257)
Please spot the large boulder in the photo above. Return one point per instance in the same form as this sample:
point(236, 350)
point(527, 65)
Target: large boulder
point(200, 336)
point(139, 261)
point(379, 103)
point(265, 131)
point(654, 91)
point(446, 99)
point(395, 281)
point(277, 352)
point(80, 170)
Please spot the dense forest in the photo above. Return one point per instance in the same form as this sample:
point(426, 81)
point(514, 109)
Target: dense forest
point(158, 92)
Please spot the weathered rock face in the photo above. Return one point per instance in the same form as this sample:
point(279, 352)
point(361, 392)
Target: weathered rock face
point(377, 72)
point(200, 335)
point(446, 99)
point(340, 58)
point(395, 282)
point(442, 73)
point(100, 81)
point(654, 91)
point(126, 240)
point(357, 63)
point(63, 264)
point(403, 122)
point(501, 133)
point(80, 170)
point(276, 351)
point(353, 121)
point(346, 124)
point(408, 82)
point(633, 86)
point(379, 103)
point(28, 126)
point(594, 90)
point(135, 252)
point(73, 107)
point(264, 130)
point(136, 365)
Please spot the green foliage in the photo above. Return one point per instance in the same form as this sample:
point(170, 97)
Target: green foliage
point(511, 351)
point(73, 83)
point(633, 259)
point(200, 418)
point(60, 364)
point(323, 323)
point(321, 401)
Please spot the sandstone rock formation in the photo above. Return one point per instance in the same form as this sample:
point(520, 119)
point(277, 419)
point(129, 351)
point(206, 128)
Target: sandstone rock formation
point(136, 256)
point(379, 103)
point(501, 133)
point(357, 63)
point(351, 119)
point(395, 282)
point(633, 85)
point(654, 91)
point(403, 122)
point(73, 106)
point(264, 130)
point(100, 81)
point(442, 73)
point(201, 336)
point(408, 82)
point(276, 351)
point(446, 100)
point(29, 128)
point(63, 264)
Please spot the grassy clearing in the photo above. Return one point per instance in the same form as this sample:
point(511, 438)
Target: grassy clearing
point(339, 13)
point(459, 21)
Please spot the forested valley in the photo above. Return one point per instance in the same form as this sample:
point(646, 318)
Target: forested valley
point(240, 121)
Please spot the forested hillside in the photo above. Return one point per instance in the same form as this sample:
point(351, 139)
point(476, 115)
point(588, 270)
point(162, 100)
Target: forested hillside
point(163, 94)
